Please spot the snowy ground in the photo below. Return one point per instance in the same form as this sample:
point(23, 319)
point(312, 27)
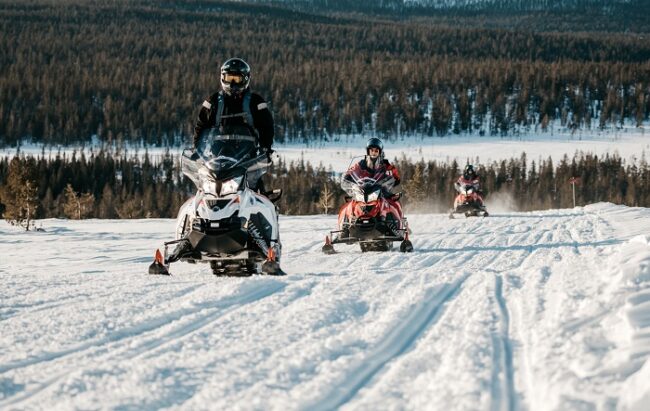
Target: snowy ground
point(540, 311)
point(630, 143)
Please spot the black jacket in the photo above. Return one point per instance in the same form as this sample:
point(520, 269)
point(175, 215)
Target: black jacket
point(262, 117)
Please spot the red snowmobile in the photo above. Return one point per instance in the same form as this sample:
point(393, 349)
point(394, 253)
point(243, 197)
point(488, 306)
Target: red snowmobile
point(371, 216)
point(468, 201)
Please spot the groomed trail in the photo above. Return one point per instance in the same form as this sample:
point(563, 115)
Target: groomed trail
point(544, 310)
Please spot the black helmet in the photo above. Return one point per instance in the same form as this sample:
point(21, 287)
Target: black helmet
point(376, 143)
point(235, 76)
point(469, 170)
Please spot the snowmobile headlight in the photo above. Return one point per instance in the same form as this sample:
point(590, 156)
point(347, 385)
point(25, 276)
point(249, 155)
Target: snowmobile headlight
point(207, 181)
point(209, 186)
point(357, 194)
point(373, 196)
point(230, 186)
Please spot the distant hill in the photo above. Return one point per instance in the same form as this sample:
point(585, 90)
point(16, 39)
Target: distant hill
point(137, 70)
point(459, 5)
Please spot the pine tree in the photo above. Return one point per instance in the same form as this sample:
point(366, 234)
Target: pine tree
point(415, 187)
point(326, 200)
point(78, 206)
point(106, 208)
point(20, 194)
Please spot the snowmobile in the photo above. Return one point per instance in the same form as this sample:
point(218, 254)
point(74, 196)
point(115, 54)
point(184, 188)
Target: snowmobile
point(226, 224)
point(468, 202)
point(370, 216)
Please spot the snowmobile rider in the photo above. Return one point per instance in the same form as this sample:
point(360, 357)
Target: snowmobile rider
point(373, 162)
point(236, 110)
point(469, 177)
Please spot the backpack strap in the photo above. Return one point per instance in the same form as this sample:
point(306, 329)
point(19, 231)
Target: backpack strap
point(246, 104)
point(248, 118)
point(247, 114)
point(219, 114)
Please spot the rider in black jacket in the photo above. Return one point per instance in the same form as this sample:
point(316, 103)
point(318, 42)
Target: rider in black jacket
point(241, 111)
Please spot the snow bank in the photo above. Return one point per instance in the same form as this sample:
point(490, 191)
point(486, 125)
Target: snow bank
point(635, 283)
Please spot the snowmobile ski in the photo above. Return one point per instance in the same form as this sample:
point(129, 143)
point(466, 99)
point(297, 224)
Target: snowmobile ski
point(158, 266)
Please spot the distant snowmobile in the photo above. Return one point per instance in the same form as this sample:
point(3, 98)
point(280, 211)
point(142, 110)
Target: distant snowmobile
point(226, 224)
point(468, 202)
point(369, 217)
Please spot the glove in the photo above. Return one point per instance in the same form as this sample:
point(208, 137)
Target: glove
point(268, 151)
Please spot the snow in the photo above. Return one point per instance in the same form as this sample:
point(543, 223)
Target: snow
point(540, 310)
point(630, 143)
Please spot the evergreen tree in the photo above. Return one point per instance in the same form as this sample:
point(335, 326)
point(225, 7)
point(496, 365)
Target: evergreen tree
point(415, 188)
point(326, 199)
point(20, 194)
point(78, 206)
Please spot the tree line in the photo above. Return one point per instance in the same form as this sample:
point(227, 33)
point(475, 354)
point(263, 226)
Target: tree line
point(136, 71)
point(106, 186)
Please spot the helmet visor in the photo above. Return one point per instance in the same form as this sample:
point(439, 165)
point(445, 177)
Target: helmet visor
point(232, 78)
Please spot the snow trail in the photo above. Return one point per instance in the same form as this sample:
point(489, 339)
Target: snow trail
point(504, 395)
point(395, 343)
point(542, 310)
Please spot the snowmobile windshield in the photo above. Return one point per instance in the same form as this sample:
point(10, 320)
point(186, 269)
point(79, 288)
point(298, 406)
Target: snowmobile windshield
point(226, 147)
point(222, 153)
point(223, 157)
point(367, 184)
point(467, 189)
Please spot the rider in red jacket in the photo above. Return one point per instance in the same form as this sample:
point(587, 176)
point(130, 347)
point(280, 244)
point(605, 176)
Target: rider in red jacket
point(470, 178)
point(373, 161)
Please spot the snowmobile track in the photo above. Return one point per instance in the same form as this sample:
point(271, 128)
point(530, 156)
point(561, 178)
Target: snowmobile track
point(101, 348)
point(504, 396)
point(393, 345)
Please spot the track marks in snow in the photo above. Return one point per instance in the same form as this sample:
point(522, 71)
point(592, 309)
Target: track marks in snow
point(201, 321)
point(366, 331)
point(504, 396)
point(395, 343)
point(123, 334)
point(143, 338)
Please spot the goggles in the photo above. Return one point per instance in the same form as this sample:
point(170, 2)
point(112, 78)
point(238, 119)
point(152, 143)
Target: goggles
point(232, 78)
point(374, 151)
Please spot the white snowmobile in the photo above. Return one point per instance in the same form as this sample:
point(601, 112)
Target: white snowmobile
point(227, 223)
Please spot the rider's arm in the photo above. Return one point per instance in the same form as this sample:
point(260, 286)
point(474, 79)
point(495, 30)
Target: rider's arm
point(393, 172)
point(263, 120)
point(205, 118)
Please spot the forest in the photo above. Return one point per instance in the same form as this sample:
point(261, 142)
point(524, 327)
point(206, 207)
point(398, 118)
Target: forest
point(102, 185)
point(136, 71)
